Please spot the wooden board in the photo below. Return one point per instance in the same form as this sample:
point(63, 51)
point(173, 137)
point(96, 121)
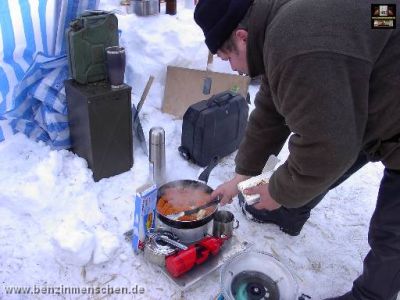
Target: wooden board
point(185, 87)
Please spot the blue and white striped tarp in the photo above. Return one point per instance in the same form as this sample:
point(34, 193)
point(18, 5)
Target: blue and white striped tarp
point(33, 67)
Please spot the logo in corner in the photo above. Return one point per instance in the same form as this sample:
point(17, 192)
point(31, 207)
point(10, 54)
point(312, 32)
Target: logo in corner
point(383, 16)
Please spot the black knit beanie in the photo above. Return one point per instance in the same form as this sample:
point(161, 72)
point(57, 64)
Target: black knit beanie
point(218, 19)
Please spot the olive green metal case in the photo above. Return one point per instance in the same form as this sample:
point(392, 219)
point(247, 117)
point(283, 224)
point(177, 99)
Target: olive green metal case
point(100, 123)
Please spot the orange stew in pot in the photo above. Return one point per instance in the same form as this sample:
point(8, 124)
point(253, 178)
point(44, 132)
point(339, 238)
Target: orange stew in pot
point(178, 199)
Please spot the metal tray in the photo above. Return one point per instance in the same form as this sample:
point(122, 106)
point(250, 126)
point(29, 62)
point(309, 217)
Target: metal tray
point(230, 248)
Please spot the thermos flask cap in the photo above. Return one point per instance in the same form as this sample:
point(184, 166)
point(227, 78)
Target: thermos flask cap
point(157, 136)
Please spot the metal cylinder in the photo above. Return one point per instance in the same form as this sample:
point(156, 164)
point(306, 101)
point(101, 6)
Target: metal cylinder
point(170, 7)
point(157, 154)
point(144, 7)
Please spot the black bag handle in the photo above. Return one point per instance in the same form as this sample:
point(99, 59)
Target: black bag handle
point(184, 152)
point(221, 98)
point(206, 173)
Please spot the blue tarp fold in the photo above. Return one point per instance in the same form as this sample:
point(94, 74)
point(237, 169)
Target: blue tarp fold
point(33, 67)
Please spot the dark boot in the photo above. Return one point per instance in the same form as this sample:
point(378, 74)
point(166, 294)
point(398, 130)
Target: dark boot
point(291, 220)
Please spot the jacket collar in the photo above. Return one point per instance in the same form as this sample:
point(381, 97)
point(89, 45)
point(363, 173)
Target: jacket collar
point(261, 15)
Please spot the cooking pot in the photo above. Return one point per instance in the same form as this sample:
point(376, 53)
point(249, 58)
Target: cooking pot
point(188, 232)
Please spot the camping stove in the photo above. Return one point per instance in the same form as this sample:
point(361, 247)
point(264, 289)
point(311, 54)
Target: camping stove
point(245, 273)
point(185, 266)
point(185, 260)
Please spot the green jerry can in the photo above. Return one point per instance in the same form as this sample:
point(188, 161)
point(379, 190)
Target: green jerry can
point(87, 38)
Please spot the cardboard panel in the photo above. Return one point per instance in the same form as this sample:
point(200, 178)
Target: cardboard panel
point(185, 87)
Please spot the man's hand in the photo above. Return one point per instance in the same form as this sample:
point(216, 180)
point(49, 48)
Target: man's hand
point(229, 189)
point(266, 201)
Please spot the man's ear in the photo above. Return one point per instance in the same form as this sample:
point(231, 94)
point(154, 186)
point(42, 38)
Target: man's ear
point(241, 34)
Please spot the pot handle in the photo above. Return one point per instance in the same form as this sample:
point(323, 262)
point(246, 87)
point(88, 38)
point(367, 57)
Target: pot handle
point(236, 226)
point(172, 242)
point(206, 173)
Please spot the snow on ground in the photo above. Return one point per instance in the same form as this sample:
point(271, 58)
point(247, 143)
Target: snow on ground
point(60, 228)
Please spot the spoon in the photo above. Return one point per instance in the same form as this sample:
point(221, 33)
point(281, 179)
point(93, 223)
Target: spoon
point(194, 210)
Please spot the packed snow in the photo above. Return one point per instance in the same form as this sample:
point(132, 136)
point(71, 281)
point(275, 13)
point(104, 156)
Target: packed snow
point(60, 228)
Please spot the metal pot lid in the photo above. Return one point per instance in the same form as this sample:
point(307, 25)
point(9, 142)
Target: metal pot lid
point(257, 275)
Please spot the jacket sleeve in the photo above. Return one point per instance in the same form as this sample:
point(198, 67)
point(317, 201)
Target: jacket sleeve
point(324, 98)
point(266, 133)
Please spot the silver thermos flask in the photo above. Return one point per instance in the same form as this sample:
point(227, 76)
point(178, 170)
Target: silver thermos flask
point(157, 154)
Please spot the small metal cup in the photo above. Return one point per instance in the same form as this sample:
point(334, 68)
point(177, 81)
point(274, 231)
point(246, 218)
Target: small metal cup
point(116, 62)
point(223, 224)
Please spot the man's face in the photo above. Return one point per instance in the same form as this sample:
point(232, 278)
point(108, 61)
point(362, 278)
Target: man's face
point(237, 56)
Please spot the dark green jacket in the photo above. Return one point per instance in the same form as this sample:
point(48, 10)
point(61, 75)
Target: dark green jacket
point(331, 81)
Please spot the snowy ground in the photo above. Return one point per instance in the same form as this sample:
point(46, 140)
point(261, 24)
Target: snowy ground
point(60, 228)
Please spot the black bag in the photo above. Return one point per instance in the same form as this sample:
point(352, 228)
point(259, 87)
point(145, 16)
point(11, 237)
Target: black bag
point(214, 127)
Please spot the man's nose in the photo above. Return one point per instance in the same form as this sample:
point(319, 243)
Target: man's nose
point(232, 66)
